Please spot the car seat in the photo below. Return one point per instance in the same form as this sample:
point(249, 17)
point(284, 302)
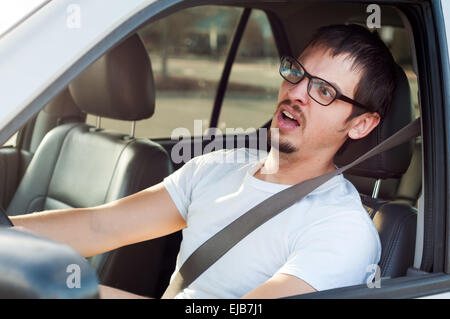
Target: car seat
point(79, 165)
point(395, 220)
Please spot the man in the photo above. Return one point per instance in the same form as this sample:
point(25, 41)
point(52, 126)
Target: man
point(339, 87)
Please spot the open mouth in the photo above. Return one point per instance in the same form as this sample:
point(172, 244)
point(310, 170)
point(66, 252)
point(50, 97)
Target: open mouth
point(287, 121)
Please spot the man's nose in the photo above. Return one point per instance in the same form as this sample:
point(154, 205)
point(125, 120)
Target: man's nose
point(299, 92)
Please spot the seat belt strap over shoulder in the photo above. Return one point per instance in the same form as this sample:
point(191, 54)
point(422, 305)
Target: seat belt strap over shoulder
point(215, 247)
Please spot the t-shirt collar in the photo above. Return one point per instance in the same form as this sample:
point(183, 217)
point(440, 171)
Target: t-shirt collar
point(275, 187)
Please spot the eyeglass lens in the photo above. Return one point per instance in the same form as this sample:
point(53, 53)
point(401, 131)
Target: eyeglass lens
point(321, 91)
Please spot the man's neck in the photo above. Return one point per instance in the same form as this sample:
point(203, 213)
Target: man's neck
point(283, 168)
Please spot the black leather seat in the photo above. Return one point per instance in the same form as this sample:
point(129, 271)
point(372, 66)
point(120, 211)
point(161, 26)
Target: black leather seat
point(395, 220)
point(60, 110)
point(78, 165)
point(396, 225)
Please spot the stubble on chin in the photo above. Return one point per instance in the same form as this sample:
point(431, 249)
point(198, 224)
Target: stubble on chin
point(282, 146)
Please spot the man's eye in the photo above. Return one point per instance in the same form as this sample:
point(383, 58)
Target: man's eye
point(324, 91)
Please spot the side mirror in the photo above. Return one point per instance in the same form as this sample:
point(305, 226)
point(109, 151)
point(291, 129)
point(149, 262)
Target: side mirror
point(36, 267)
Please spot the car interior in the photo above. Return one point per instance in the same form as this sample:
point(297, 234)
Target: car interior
point(95, 141)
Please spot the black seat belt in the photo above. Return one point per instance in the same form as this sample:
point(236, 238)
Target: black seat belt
point(215, 247)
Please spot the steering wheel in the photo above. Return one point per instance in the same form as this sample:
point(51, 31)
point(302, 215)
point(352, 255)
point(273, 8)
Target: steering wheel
point(4, 219)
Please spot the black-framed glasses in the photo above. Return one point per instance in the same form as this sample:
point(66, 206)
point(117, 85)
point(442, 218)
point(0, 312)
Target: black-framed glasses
point(319, 90)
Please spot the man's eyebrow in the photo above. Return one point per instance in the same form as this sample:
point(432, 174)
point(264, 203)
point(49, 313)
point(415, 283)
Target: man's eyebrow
point(336, 86)
point(332, 83)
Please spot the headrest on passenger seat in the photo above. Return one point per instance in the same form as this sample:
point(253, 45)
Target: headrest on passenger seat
point(63, 106)
point(119, 85)
point(393, 163)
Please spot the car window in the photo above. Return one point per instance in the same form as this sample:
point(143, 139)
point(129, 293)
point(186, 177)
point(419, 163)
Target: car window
point(254, 81)
point(396, 38)
point(187, 51)
point(12, 141)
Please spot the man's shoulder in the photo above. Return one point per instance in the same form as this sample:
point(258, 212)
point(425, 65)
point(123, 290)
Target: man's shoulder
point(341, 210)
point(337, 189)
point(336, 199)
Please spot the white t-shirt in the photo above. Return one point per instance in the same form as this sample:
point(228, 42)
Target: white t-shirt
point(327, 239)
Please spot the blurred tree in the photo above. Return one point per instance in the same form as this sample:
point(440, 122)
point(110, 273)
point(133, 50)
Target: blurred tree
point(184, 30)
point(252, 43)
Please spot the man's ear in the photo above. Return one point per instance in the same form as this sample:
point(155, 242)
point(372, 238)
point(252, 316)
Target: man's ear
point(362, 125)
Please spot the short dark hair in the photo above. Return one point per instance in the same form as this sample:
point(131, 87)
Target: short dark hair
point(370, 56)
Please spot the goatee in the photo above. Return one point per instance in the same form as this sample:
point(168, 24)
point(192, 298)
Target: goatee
point(283, 147)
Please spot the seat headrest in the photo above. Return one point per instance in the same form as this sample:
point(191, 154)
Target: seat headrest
point(119, 85)
point(392, 163)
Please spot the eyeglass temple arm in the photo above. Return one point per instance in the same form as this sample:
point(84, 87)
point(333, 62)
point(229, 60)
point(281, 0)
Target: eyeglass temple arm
point(349, 100)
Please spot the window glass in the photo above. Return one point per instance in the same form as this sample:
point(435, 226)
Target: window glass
point(398, 42)
point(187, 51)
point(12, 141)
point(251, 96)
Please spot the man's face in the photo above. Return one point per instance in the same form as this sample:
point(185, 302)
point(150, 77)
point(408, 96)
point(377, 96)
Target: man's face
point(319, 129)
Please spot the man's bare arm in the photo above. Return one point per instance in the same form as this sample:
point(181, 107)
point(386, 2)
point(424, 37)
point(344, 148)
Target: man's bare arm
point(107, 292)
point(145, 215)
point(280, 285)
